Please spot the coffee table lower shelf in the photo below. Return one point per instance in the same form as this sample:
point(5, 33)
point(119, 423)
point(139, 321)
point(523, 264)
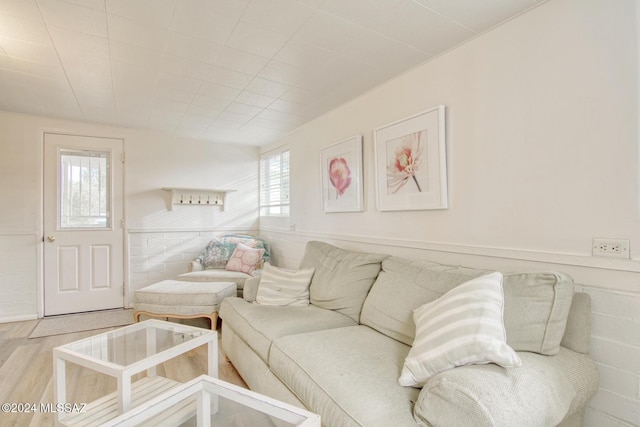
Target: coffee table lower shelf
point(106, 408)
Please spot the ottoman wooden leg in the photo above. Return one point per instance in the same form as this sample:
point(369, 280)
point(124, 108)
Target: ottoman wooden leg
point(214, 321)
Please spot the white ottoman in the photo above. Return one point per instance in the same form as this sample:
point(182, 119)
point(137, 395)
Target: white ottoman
point(182, 300)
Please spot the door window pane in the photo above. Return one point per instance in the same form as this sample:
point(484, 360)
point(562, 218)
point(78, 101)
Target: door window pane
point(84, 189)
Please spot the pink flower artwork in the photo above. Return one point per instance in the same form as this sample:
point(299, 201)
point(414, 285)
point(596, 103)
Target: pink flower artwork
point(405, 162)
point(339, 175)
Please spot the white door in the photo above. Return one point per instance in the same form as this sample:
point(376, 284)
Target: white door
point(83, 224)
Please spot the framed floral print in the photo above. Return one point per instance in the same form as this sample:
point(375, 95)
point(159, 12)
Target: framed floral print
point(341, 166)
point(411, 163)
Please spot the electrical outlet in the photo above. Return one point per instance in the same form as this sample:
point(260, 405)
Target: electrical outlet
point(616, 248)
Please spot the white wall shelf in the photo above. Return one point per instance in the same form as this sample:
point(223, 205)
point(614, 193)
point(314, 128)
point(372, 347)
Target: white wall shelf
point(196, 197)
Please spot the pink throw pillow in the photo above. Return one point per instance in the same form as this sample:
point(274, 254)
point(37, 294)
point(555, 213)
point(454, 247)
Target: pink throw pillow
point(244, 259)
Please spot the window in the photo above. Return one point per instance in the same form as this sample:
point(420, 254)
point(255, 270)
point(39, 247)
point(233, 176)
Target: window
point(274, 184)
point(84, 185)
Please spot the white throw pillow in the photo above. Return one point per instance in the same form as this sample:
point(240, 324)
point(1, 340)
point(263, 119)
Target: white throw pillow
point(284, 287)
point(463, 327)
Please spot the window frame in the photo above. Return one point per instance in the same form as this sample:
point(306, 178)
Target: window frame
point(280, 206)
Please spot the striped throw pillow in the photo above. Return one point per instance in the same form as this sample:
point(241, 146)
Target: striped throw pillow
point(463, 327)
point(284, 287)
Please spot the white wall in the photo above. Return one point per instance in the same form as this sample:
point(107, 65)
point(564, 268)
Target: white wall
point(542, 133)
point(160, 242)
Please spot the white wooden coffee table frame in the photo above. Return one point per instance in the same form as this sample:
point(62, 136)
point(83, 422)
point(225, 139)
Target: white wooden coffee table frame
point(199, 398)
point(125, 397)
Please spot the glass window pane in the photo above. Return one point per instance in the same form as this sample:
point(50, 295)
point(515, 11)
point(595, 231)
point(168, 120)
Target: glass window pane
point(84, 189)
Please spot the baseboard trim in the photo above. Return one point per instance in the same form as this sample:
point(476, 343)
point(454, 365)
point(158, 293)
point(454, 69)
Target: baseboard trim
point(625, 265)
point(22, 318)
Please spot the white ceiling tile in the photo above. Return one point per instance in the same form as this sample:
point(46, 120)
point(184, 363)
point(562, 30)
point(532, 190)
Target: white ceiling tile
point(256, 40)
point(421, 28)
point(129, 31)
point(284, 106)
point(93, 4)
point(24, 29)
point(157, 13)
point(327, 31)
point(313, 3)
point(193, 48)
point(28, 68)
point(479, 16)
point(231, 9)
point(208, 102)
point(134, 58)
point(34, 52)
point(196, 110)
point(283, 73)
point(361, 12)
point(267, 87)
point(27, 9)
point(184, 67)
point(254, 99)
point(300, 95)
point(245, 109)
point(213, 90)
point(75, 49)
point(175, 81)
point(302, 54)
point(91, 79)
point(201, 23)
point(58, 13)
point(378, 50)
point(225, 77)
point(281, 16)
point(269, 124)
point(278, 116)
point(233, 117)
point(334, 73)
point(174, 95)
point(132, 82)
point(201, 122)
point(226, 124)
point(240, 61)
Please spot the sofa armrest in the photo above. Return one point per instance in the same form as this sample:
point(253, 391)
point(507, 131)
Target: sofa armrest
point(250, 290)
point(195, 265)
point(543, 391)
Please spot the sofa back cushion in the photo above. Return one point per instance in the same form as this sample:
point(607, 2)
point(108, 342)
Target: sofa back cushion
point(536, 305)
point(342, 277)
point(536, 310)
point(402, 286)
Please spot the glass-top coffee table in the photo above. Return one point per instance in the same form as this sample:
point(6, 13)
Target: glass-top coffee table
point(207, 401)
point(123, 353)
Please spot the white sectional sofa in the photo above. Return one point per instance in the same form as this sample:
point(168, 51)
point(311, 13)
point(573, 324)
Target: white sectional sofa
point(341, 356)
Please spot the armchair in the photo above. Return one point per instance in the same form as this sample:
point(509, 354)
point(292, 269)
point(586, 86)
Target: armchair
point(229, 258)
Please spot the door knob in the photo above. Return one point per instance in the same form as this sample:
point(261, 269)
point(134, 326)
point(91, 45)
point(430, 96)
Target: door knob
point(51, 238)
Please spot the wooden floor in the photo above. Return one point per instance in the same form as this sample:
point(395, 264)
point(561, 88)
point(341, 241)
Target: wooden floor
point(26, 367)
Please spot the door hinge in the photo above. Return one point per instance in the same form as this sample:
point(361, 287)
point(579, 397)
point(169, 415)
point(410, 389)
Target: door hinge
point(122, 157)
point(122, 223)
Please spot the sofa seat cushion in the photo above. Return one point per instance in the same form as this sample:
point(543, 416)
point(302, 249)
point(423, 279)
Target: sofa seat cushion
point(347, 375)
point(258, 325)
point(544, 391)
